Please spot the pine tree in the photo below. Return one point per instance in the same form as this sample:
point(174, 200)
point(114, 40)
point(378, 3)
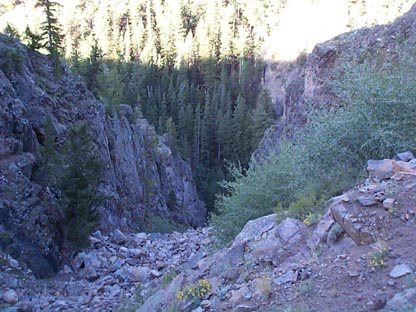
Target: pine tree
point(11, 31)
point(78, 185)
point(172, 134)
point(242, 131)
point(52, 32)
point(33, 40)
point(93, 68)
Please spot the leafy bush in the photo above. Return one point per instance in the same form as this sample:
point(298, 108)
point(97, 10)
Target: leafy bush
point(195, 292)
point(307, 208)
point(375, 120)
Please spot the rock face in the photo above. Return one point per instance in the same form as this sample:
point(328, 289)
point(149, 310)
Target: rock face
point(297, 84)
point(142, 179)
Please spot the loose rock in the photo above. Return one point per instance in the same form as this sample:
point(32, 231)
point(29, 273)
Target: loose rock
point(400, 270)
point(10, 296)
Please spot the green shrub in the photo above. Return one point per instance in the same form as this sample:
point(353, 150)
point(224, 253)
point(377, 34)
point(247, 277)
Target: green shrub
point(376, 119)
point(307, 208)
point(12, 62)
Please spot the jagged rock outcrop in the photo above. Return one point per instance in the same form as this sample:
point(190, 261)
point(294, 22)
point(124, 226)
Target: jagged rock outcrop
point(142, 180)
point(306, 81)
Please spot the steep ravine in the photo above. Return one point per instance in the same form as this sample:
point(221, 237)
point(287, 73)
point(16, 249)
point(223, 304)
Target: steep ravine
point(296, 85)
point(143, 182)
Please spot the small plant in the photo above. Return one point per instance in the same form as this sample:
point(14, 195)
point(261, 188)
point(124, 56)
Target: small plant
point(306, 208)
point(305, 287)
point(194, 292)
point(168, 278)
point(312, 219)
point(5, 239)
point(377, 258)
point(12, 62)
point(11, 31)
point(264, 286)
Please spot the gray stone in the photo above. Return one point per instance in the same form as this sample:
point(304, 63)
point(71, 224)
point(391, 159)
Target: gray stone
point(367, 201)
point(194, 259)
point(291, 230)
point(205, 304)
point(116, 265)
point(67, 269)
point(137, 274)
point(288, 277)
point(98, 235)
point(140, 237)
point(10, 296)
point(254, 229)
point(386, 168)
point(13, 263)
point(244, 308)
point(267, 248)
point(137, 253)
point(402, 299)
point(155, 302)
point(400, 270)
point(321, 230)
point(388, 203)
point(155, 273)
point(404, 156)
point(119, 237)
point(355, 229)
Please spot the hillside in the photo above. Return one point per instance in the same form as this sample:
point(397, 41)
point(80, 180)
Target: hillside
point(141, 182)
point(104, 159)
point(204, 72)
point(296, 86)
point(359, 257)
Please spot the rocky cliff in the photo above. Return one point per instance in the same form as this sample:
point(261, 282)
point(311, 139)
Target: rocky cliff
point(143, 182)
point(295, 85)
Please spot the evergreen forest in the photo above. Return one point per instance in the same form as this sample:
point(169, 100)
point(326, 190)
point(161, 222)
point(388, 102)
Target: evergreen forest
point(192, 68)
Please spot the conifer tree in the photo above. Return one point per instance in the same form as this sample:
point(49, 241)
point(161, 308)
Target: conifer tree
point(78, 185)
point(93, 68)
point(34, 41)
point(11, 31)
point(52, 32)
point(242, 131)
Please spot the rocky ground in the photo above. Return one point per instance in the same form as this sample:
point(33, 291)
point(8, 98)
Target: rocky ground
point(358, 257)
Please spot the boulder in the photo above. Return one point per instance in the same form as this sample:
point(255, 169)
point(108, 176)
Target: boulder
point(404, 156)
point(355, 228)
point(155, 302)
point(136, 274)
point(254, 229)
point(10, 296)
point(291, 230)
point(400, 300)
point(119, 237)
point(384, 169)
point(321, 230)
point(367, 201)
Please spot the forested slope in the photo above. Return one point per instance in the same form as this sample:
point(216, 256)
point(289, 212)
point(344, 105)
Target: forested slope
point(197, 70)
